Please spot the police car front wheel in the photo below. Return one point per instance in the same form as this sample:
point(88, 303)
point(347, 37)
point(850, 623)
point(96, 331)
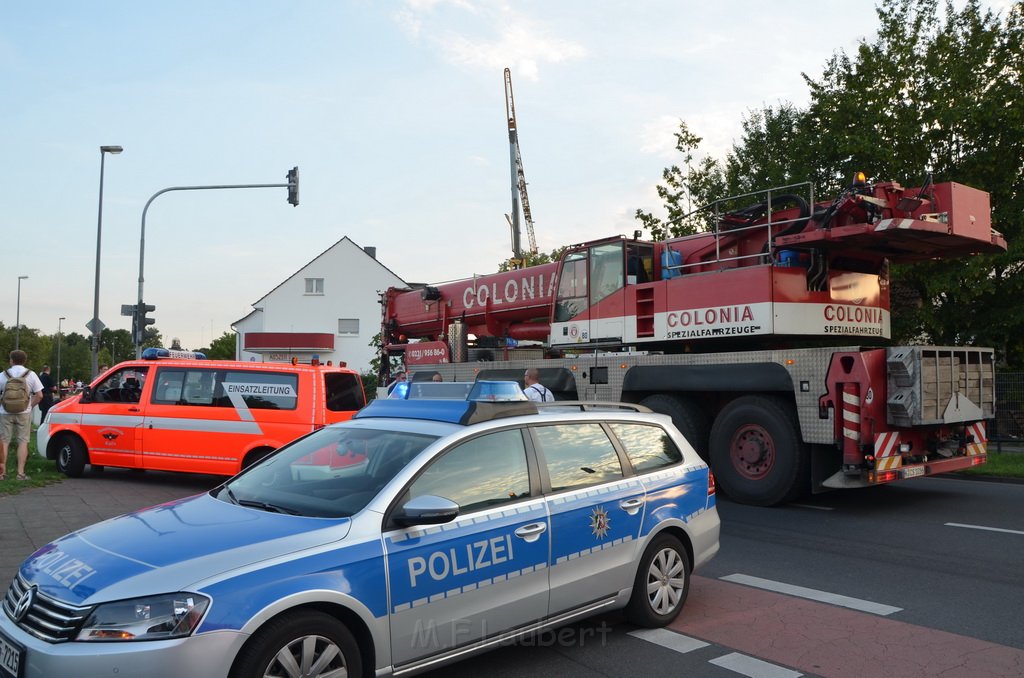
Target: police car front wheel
point(662, 583)
point(306, 643)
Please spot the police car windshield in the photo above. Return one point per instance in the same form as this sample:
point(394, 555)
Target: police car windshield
point(333, 473)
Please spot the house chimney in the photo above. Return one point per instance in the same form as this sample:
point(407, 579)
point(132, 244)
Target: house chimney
point(372, 251)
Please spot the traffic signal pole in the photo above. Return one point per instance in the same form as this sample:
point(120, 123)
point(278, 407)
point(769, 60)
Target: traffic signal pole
point(293, 198)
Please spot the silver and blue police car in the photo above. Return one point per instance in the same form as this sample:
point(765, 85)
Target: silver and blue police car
point(416, 534)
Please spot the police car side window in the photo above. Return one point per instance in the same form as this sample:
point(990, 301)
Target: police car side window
point(480, 473)
point(648, 447)
point(578, 455)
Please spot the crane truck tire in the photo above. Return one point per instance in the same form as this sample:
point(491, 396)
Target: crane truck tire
point(686, 415)
point(757, 454)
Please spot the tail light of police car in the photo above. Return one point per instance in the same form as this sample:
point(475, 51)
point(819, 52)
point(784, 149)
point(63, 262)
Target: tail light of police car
point(160, 617)
point(711, 483)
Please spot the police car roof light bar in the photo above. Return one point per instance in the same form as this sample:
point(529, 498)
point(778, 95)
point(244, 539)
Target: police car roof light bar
point(460, 412)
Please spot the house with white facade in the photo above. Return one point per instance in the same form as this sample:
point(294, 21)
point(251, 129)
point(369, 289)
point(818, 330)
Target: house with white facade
point(329, 308)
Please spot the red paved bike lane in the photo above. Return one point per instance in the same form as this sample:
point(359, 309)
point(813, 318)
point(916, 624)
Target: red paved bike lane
point(832, 641)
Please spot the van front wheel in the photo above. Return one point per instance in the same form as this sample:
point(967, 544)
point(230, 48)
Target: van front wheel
point(71, 456)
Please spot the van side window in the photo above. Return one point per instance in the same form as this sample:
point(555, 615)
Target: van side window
point(123, 386)
point(258, 390)
point(226, 388)
point(344, 392)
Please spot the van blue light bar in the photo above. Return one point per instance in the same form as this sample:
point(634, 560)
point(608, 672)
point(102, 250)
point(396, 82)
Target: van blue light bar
point(158, 353)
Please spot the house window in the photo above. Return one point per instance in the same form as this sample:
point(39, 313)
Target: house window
point(314, 285)
point(348, 327)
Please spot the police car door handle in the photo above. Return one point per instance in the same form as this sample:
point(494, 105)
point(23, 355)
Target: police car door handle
point(632, 506)
point(134, 409)
point(531, 532)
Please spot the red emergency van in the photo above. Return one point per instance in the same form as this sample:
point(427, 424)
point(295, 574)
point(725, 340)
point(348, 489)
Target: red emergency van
point(170, 413)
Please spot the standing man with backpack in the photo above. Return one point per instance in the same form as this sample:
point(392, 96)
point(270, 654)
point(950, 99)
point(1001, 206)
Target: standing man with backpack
point(20, 391)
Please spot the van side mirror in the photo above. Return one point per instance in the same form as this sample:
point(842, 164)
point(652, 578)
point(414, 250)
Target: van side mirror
point(86, 394)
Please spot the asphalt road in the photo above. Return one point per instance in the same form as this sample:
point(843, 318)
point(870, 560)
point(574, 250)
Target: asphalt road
point(931, 567)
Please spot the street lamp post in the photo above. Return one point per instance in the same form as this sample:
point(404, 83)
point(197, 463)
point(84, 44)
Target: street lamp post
point(113, 150)
point(292, 185)
point(59, 335)
point(17, 320)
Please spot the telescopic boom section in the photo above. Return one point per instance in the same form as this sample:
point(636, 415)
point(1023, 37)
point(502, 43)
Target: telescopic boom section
point(519, 195)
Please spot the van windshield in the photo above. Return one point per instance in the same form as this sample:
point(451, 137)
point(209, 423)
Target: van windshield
point(332, 473)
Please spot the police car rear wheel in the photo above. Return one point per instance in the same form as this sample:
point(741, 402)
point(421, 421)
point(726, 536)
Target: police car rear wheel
point(662, 583)
point(309, 644)
point(71, 456)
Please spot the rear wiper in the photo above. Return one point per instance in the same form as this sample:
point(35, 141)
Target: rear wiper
point(273, 508)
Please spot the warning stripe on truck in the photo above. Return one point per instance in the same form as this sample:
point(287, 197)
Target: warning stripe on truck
point(887, 451)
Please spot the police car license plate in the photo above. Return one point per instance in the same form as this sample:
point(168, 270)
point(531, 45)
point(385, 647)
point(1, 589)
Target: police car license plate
point(912, 472)
point(11, 656)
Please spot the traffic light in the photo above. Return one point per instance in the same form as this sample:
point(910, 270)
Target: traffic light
point(293, 186)
point(140, 321)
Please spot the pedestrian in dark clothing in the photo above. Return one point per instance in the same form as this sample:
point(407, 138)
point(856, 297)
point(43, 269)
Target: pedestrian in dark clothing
point(48, 388)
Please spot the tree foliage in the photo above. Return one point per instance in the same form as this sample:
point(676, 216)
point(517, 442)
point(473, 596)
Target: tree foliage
point(223, 347)
point(938, 90)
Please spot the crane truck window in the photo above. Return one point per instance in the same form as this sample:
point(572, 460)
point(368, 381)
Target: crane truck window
point(572, 287)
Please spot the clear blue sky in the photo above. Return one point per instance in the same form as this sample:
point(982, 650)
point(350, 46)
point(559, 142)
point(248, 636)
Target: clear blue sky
point(395, 114)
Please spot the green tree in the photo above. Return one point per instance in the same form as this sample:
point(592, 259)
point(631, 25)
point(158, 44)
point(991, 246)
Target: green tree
point(684, 191)
point(939, 91)
point(223, 347)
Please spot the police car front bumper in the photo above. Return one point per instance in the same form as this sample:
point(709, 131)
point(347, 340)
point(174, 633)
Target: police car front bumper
point(207, 655)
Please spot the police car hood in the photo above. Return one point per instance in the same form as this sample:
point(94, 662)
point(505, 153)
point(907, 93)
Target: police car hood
point(167, 548)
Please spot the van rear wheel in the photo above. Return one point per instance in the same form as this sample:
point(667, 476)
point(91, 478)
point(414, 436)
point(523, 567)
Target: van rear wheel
point(256, 455)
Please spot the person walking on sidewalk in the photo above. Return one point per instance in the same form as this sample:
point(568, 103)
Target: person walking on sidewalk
point(535, 390)
point(20, 391)
point(48, 390)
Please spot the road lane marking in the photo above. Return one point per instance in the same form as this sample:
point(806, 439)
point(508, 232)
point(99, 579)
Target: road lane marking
point(813, 594)
point(753, 668)
point(982, 527)
point(670, 639)
point(825, 640)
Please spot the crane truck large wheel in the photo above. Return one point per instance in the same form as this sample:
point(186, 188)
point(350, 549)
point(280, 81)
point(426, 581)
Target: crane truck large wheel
point(686, 415)
point(756, 452)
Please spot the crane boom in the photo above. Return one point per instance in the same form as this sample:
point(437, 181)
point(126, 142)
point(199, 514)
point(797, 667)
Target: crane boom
point(519, 195)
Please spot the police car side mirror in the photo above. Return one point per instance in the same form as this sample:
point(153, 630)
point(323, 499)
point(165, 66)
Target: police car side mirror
point(426, 510)
point(87, 394)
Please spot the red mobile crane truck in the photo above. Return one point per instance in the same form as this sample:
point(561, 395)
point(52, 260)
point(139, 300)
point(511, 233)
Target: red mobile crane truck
point(733, 333)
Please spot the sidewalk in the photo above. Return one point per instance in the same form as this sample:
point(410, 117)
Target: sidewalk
point(33, 518)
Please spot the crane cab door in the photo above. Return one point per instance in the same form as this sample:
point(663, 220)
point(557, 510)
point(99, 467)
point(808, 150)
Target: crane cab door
point(590, 301)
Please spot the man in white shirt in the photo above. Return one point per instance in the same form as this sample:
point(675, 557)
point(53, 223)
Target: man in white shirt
point(17, 426)
point(534, 390)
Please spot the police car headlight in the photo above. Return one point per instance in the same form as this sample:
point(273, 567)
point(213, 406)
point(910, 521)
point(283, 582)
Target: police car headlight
point(172, 615)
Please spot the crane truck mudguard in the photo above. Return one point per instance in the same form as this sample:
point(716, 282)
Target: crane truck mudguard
point(752, 377)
